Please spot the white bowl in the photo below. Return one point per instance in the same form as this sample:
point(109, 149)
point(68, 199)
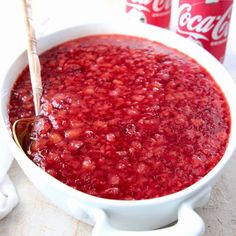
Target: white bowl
point(112, 216)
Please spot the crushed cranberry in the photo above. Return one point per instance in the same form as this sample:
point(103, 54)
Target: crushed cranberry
point(123, 117)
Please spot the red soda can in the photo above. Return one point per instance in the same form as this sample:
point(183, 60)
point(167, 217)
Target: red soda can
point(154, 12)
point(207, 23)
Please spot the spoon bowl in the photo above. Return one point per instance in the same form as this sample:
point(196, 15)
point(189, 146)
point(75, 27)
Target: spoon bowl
point(20, 130)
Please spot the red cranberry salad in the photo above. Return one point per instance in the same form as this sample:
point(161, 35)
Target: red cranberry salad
point(123, 117)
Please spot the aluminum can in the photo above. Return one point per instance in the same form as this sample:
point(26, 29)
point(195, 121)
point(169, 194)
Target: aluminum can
point(207, 23)
point(154, 12)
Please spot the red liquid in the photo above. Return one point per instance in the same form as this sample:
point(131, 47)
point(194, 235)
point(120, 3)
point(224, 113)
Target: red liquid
point(124, 117)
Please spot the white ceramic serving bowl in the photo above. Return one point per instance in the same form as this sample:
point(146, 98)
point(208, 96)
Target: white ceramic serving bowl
point(115, 217)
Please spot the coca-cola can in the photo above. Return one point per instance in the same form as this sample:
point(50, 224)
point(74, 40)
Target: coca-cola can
point(207, 23)
point(154, 12)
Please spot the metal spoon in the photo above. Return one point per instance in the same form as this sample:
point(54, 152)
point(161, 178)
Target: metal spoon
point(20, 127)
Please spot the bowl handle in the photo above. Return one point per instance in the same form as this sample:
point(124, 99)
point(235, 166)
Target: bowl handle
point(189, 222)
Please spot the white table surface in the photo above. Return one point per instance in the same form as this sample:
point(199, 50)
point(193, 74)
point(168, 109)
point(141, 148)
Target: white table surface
point(35, 215)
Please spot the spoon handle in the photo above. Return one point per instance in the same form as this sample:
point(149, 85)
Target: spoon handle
point(33, 59)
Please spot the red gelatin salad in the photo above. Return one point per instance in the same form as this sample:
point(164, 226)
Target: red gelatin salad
point(123, 117)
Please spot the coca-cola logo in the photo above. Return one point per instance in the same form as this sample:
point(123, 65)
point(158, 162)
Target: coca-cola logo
point(199, 27)
point(157, 5)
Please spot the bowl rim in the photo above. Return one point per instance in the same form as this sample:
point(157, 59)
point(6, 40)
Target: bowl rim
point(183, 45)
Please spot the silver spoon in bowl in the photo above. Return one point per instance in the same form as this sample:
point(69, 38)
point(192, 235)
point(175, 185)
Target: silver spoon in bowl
point(21, 126)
